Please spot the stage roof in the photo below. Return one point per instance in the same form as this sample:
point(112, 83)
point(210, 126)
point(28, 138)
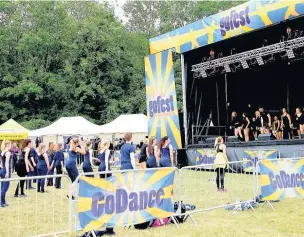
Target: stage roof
point(241, 19)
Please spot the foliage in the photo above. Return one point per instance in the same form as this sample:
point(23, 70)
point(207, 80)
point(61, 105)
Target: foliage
point(65, 58)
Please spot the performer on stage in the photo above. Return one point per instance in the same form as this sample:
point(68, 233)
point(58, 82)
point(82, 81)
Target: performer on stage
point(299, 122)
point(266, 121)
point(236, 125)
point(276, 128)
point(220, 163)
point(286, 124)
point(127, 152)
point(246, 126)
point(143, 155)
point(257, 125)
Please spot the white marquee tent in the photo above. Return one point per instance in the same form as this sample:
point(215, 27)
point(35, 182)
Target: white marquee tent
point(66, 126)
point(135, 123)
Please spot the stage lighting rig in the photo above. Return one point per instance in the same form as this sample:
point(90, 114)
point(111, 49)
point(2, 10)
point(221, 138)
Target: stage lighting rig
point(203, 74)
point(290, 54)
point(260, 60)
point(244, 64)
point(227, 68)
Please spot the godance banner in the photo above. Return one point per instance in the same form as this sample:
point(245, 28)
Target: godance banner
point(205, 157)
point(162, 109)
point(253, 156)
point(282, 178)
point(244, 18)
point(126, 199)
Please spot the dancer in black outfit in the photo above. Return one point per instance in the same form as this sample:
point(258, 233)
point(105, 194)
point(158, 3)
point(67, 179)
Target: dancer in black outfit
point(236, 125)
point(276, 128)
point(246, 126)
point(286, 124)
point(298, 123)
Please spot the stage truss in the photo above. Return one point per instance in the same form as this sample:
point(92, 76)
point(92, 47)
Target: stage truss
point(243, 58)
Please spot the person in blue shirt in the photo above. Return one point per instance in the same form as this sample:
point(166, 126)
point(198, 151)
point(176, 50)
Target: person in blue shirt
point(104, 157)
point(51, 155)
point(6, 171)
point(151, 153)
point(165, 155)
point(59, 160)
point(88, 159)
point(127, 153)
point(43, 166)
point(32, 172)
point(71, 164)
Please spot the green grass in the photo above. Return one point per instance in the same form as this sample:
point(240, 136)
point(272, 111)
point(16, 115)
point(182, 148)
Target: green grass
point(198, 188)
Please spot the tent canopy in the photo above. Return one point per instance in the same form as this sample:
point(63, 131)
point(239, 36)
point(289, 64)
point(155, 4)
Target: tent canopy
point(66, 126)
point(135, 123)
point(11, 130)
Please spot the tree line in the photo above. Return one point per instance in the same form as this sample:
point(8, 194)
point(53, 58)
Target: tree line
point(63, 58)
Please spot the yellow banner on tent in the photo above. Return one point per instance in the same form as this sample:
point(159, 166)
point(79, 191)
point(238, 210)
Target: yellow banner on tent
point(13, 136)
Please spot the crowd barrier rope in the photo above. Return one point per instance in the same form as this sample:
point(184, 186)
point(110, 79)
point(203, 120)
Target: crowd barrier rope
point(35, 213)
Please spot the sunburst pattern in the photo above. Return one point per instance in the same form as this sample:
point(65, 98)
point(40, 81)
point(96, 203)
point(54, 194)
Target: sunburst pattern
point(251, 158)
point(160, 83)
point(207, 30)
point(277, 185)
point(205, 157)
point(132, 182)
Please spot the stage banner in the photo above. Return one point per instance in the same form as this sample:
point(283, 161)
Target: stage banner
point(283, 178)
point(162, 109)
point(125, 199)
point(253, 156)
point(205, 157)
point(252, 15)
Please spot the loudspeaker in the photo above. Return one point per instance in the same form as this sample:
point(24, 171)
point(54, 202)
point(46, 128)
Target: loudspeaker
point(233, 139)
point(264, 137)
point(210, 140)
point(182, 159)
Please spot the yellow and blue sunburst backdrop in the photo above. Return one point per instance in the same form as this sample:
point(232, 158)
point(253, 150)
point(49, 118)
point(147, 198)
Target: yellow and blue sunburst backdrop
point(162, 109)
point(283, 178)
point(128, 198)
point(251, 158)
point(241, 19)
point(205, 157)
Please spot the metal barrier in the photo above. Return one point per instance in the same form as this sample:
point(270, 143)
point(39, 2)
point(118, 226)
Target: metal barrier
point(198, 186)
point(36, 213)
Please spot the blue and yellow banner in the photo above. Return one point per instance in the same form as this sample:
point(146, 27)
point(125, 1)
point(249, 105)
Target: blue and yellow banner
point(241, 19)
point(162, 109)
point(281, 179)
point(205, 157)
point(126, 199)
point(251, 158)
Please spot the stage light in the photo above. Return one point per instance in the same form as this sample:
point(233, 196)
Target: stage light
point(203, 74)
point(290, 54)
point(260, 60)
point(244, 64)
point(227, 68)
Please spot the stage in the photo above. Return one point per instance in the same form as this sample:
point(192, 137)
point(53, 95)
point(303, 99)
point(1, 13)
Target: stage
point(236, 151)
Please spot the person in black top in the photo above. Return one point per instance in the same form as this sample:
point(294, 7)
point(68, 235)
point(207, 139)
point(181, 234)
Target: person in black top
point(265, 120)
point(236, 125)
point(143, 154)
point(246, 126)
point(276, 128)
point(299, 122)
point(257, 124)
point(286, 124)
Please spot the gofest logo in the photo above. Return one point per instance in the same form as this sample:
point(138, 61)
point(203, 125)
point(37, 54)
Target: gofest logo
point(235, 20)
point(161, 105)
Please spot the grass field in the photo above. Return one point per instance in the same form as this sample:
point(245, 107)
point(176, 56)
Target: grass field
point(28, 216)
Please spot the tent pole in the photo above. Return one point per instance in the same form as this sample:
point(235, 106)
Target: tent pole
point(184, 99)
